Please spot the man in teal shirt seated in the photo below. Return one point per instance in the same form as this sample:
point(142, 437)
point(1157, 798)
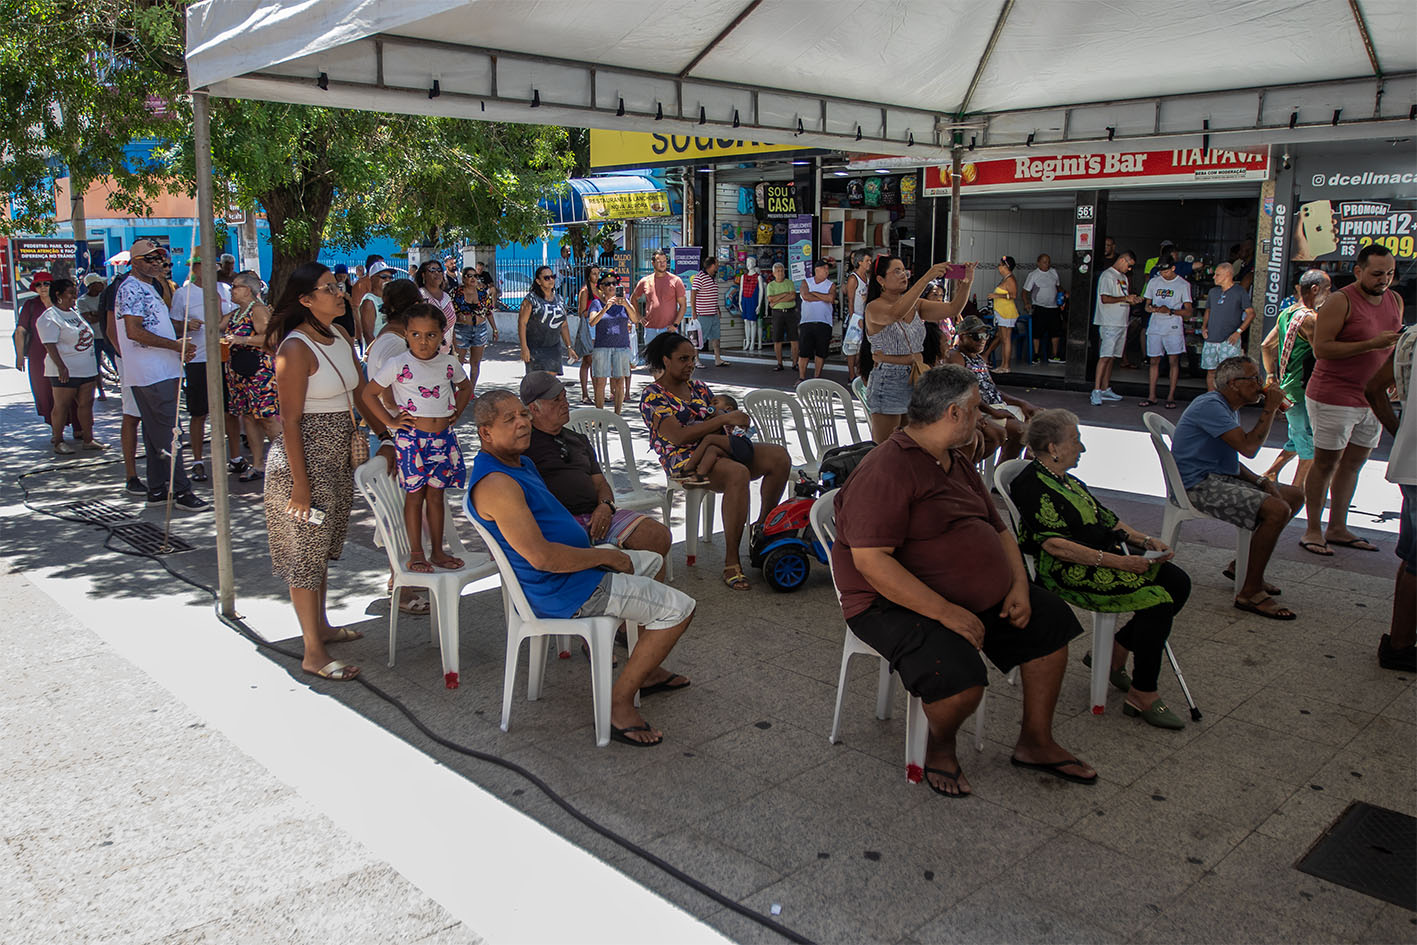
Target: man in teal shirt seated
point(561, 573)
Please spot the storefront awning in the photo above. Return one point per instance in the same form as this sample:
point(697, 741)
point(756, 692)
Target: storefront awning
point(896, 77)
point(599, 199)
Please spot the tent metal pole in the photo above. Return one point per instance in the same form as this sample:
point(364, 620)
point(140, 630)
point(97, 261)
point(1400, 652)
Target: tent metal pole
point(211, 317)
point(957, 162)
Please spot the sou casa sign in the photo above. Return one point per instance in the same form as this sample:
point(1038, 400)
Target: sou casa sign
point(1122, 169)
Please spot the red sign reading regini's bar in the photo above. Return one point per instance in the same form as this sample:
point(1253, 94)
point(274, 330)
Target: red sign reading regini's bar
point(1122, 169)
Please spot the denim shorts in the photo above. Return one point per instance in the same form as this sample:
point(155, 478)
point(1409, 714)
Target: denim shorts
point(1301, 431)
point(610, 362)
point(472, 336)
point(888, 391)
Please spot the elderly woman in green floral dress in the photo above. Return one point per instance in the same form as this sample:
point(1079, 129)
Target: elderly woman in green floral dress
point(1090, 558)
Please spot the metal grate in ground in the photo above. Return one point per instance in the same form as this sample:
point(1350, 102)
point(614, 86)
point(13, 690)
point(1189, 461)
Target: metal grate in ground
point(147, 538)
point(1369, 849)
point(92, 510)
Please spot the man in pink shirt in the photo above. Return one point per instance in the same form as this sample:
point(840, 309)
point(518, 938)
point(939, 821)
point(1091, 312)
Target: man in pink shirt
point(1352, 334)
point(663, 293)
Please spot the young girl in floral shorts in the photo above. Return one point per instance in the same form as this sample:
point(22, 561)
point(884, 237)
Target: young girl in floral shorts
point(431, 392)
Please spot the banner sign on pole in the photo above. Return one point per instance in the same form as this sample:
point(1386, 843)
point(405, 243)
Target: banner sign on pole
point(629, 206)
point(799, 247)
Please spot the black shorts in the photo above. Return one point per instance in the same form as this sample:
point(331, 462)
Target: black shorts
point(741, 448)
point(73, 383)
point(196, 390)
point(1047, 321)
point(814, 340)
point(1407, 529)
point(784, 324)
point(935, 663)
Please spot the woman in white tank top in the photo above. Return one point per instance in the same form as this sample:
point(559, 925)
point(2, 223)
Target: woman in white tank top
point(308, 467)
point(857, 285)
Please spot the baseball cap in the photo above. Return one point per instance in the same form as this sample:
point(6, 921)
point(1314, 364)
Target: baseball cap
point(142, 248)
point(93, 277)
point(340, 269)
point(971, 324)
point(541, 385)
point(379, 267)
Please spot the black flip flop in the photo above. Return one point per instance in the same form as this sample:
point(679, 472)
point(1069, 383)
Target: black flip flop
point(618, 735)
point(1309, 546)
point(1357, 544)
point(945, 774)
point(1055, 768)
point(1253, 607)
point(666, 685)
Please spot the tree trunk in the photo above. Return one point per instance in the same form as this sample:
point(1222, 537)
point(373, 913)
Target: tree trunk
point(79, 223)
point(296, 213)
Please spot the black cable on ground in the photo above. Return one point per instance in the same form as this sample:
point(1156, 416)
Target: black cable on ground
point(241, 627)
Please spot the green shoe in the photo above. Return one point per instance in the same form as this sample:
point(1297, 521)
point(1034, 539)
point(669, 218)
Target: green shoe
point(1158, 715)
point(1120, 679)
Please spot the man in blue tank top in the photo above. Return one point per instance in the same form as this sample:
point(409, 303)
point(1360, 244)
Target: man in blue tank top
point(561, 573)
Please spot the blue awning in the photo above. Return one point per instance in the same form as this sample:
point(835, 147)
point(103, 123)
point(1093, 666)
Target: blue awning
point(599, 199)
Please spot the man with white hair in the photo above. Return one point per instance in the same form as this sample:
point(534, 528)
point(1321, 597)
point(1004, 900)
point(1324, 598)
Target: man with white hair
point(560, 572)
point(1208, 443)
point(1289, 355)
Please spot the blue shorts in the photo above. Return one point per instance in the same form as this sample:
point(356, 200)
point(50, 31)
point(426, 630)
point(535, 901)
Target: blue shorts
point(1301, 432)
point(1212, 353)
point(472, 336)
point(888, 391)
point(429, 459)
point(610, 362)
point(1407, 529)
point(709, 328)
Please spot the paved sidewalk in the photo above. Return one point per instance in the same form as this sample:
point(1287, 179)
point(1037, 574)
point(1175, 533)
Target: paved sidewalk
point(1188, 837)
point(127, 818)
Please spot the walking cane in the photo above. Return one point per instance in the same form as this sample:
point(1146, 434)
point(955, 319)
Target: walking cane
point(165, 547)
point(1185, 690)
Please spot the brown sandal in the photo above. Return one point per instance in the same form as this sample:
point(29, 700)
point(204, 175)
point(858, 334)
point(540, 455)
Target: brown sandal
point(735, 578)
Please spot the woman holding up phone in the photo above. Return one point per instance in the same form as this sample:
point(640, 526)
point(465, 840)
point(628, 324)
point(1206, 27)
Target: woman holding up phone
point(610, 355)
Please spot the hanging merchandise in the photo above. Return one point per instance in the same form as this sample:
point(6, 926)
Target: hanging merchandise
point(764, 234)
point(907, 191)
point(873, 192)
point(746, 204)
point(855, 195)
point(890, 191)
point(779, 233)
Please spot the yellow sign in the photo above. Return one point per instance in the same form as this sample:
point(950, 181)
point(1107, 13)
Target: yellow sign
point(613, 150)
point(625, 206)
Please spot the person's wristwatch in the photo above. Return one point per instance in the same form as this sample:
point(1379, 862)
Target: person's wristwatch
point(609, 502)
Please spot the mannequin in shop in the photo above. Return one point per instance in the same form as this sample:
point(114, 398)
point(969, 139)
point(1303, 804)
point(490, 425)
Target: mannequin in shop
point(751, 299)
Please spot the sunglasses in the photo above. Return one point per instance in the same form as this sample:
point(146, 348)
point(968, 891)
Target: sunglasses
point(156, 255)
point(546, 278)
point(385, 276)
point(977, 335)
point(334, 288)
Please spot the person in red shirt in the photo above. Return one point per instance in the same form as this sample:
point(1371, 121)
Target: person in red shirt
point(930, 577)
point(664, 297)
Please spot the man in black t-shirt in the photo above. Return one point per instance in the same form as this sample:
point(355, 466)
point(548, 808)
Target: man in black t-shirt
point(568, 466)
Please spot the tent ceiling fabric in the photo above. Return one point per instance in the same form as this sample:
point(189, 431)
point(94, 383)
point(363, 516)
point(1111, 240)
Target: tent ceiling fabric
point(1062, 71)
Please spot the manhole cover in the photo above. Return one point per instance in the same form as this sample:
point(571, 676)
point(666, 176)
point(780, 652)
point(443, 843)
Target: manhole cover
point(147, 538)
point(1370, 849)
point(95, 511)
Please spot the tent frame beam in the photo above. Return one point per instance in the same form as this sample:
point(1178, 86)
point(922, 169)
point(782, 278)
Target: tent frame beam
point(722, 35)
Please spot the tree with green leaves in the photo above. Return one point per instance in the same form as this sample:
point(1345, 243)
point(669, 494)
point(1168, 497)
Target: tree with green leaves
point(81, 80)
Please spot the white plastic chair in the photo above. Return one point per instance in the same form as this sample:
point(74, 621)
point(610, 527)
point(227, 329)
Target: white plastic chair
point(523, 624)
point(1178, 505)
point(769, 410)
point(381, 490)
point(606, 430)
point(818, 397)
point(698, 508)
point(917, 727)
point(1104, 626)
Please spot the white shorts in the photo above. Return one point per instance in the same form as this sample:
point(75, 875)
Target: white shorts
point(1337, 427)
point(1002, 322)
point(1170, 340)
point(638, 597)
point(130, 405)
point(1113, 340)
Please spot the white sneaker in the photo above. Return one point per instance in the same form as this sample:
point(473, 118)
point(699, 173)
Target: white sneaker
point(1108, 394)
point(1096, 398)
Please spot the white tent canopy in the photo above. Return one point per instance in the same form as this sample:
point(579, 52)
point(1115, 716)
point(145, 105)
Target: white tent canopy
point(881, 76)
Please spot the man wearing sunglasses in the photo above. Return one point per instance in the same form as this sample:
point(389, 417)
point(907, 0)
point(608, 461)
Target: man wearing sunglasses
point(152, 366)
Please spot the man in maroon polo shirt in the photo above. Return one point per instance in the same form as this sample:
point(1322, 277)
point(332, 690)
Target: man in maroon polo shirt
point(930, 576)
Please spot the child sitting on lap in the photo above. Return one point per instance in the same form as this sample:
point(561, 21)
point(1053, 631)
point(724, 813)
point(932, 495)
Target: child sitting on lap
point(733, 443)
point(430, 392)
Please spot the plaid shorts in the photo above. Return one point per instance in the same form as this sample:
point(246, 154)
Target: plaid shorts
point(1228, 498)
point(429, 459)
